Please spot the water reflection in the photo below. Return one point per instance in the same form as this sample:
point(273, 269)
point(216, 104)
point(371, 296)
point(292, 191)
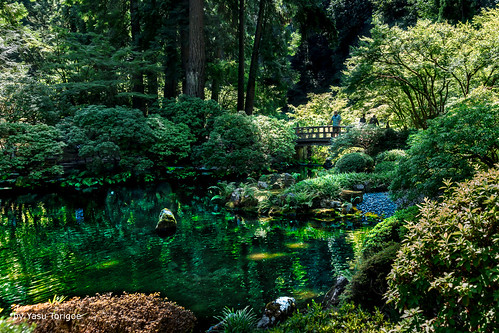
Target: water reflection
point(77, 246)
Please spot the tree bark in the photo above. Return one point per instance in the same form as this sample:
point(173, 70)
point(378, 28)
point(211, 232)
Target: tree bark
point(240, 70)
point(215, 85)
point(137, 76)
point(250, 92)
point(172, 63)
point(195, 73)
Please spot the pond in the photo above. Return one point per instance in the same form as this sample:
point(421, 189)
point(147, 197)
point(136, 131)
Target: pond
point(78, 245)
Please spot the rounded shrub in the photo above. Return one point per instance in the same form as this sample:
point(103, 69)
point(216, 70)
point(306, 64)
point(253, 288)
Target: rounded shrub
point(137, 312)
point(369, 283)
point(394, 155)
point(234, 146)
point(446, 269)
point(198, 114)
point(385, 166)
point(354, 162)
point(388, 231)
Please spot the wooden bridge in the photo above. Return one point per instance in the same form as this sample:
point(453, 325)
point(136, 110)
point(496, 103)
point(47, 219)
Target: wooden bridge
point(317, 135)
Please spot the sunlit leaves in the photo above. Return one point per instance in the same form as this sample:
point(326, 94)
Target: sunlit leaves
point(416, 71)
point(447, 266)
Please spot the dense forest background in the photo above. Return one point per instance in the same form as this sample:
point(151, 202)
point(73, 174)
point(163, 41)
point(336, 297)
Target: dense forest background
point(136, 84)
point(243, 54)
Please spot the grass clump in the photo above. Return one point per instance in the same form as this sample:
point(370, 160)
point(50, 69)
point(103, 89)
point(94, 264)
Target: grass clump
point(347, 319)
point(237, 321)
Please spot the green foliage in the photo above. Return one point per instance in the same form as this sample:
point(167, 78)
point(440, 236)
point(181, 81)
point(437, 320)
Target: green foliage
point(199, 115)
point(109, 138)
point(447, 267)
point(385, 167)
point(451, 148)
point(122, 139)
point(368, 284)
point(389, 160)
point(371, 139)
point(388, 231)
point(394, 155)
point(83, 80)
point(233, 146)
point(347, 319)
point(414, 73)
point(277, 138)
point(319, 108)
point(303, 193)
point(237, 321)
point(6, 326)
point(374, 182)
point(30, 150)
point(354, 162)
point(244, 144)
point(171, 142)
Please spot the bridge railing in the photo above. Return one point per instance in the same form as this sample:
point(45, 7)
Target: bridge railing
point(318, 132)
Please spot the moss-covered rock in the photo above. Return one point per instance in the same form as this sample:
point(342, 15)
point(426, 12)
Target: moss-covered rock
point(167, 224)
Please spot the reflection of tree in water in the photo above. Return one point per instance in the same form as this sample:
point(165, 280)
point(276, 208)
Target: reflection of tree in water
point(138, 206)
point(341, 253)
point(214, 260)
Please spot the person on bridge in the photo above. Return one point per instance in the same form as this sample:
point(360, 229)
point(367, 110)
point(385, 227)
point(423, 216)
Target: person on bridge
point(374, 121)
point(362, 120)
point(336, 121)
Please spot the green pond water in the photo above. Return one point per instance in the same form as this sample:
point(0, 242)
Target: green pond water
point(77, 245)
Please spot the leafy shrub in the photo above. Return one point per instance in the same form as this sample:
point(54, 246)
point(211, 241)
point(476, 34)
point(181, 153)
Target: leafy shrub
point(447, 266)
point(303, 193)
point(199, 115)
point(123, 139)
point(347, 319)
point(388, 231)
point(368, 284)
point(394, 155)
point(105, 313)
point(277, 138)
point(234, 145)
point(239, 321)
point(451, 148)
point(171, 142)
point(371, 181)
point(385, 167)
point(30, 150)
point(7, 326)
point(354, 162)
point(317, 111)
point(29, 101)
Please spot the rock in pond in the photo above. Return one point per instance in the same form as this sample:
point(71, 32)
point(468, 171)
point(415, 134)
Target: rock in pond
point(332, 297)
point(167, 224)
point(277, 311)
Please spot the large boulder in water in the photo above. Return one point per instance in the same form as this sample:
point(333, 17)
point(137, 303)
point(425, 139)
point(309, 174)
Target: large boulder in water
point(277, 311)
point(167, 224)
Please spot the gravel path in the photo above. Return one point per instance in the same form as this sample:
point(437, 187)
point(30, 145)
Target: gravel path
point(378, 203)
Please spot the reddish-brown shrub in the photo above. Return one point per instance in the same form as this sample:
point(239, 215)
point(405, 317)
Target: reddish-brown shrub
point(133, 313)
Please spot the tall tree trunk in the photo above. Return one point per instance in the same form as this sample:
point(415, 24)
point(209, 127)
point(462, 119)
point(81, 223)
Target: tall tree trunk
point(215, 85)
point(184, 40)
point(195, 74)
point(250, 92)
point(171, 66)
point(137, 77)
point(240, 70)
point(150, 32)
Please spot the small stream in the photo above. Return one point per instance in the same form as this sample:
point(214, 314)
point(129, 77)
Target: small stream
point(82, 244)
